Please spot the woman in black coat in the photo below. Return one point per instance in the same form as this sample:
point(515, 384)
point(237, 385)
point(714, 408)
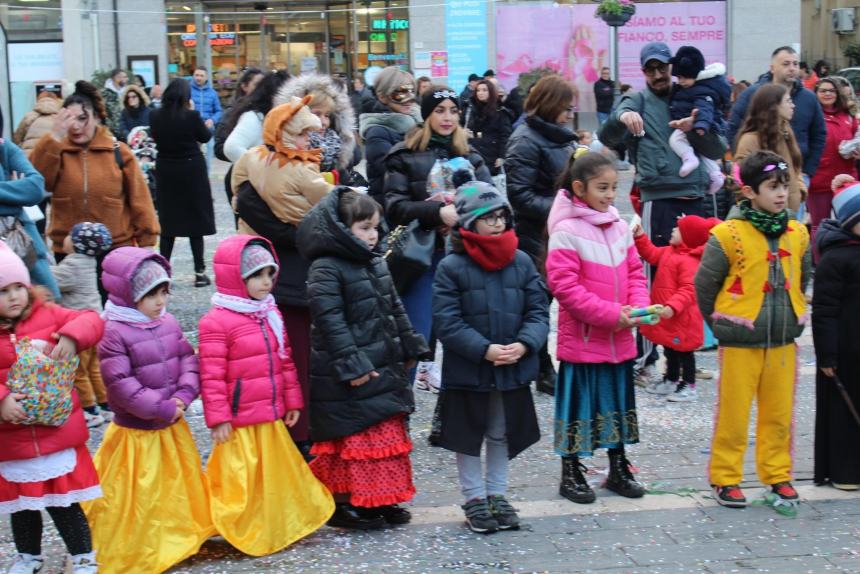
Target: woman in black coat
point(184, 196)
point(537, 154)
point(836, 333)
point(488, 125)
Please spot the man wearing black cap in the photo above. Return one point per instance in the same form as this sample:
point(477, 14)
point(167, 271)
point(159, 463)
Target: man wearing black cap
point(469, 90)
point(643, 123)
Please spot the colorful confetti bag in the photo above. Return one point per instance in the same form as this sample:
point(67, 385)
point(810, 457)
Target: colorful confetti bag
point(46, 383)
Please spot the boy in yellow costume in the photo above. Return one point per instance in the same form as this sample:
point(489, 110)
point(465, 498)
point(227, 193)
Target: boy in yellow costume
point(750, 289)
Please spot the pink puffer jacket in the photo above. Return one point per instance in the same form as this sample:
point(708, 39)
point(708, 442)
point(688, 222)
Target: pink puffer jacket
point(593, 270)
point(243, 381)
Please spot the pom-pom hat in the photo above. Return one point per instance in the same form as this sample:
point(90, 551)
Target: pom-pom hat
point(688, 62)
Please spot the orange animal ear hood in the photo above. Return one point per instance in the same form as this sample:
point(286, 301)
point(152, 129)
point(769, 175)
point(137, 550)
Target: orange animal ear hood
point(293, 117)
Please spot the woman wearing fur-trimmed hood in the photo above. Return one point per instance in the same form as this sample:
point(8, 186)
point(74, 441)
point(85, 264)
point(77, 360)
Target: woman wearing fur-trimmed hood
point(332, 101)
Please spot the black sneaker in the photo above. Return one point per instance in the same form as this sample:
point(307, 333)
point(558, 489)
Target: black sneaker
point(503, 512)
point(730, 496)
point(201, 280)
point(392, 514)
point(348, 516)
point(478, 516)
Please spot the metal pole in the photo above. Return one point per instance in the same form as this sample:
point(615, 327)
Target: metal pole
point(116, 34)
point(264, 44)
point(327, 47)
point(201, 32)
point(289, 46)
point(613, 53)
point(97, 49)
point(354, 44)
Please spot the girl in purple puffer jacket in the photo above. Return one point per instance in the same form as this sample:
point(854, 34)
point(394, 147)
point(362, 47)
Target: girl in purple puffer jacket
point(155, 510)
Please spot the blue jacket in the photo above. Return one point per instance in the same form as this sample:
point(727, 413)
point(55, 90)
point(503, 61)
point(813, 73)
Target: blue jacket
point(710, 95)
point(807, 123)
point(205, 101)
point(29, 189)
point(473, 308)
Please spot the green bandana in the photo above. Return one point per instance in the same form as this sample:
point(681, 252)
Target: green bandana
point(771, 224)
point(441, 141)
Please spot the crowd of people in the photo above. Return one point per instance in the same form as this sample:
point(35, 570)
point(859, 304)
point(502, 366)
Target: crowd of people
point(309, 354)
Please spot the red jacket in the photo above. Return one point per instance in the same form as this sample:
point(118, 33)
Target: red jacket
point(29, 441)
point(840, 126)
point(243, 381)
point(674, 286)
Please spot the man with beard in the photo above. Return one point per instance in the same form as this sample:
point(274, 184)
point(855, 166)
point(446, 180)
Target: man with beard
point(642, 122)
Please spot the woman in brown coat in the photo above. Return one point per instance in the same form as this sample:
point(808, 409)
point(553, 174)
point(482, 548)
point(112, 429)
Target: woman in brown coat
point(38, 121)
point(767, 127)
point(92, 176)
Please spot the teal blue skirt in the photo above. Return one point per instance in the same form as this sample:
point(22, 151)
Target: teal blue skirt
point(595, 407)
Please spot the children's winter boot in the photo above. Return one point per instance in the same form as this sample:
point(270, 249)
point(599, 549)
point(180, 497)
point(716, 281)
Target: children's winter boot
point(574, 487)
point(621, 480)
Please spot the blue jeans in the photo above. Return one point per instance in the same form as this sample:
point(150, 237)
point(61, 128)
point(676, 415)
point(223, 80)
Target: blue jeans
point(473, 483)
point(210, 151)
point(418, 302)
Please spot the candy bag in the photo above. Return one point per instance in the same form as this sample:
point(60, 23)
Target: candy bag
point(46, 383)
point(440, 180)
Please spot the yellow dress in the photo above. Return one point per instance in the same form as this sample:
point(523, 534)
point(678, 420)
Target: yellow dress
point(155, 510)
point(264, 496)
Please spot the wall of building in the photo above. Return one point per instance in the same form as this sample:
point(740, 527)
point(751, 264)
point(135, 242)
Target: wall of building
point(755, 28)
point(818, 42)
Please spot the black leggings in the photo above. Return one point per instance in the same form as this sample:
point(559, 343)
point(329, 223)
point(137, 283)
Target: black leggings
point(166, 247)
point(70, 522)
point(680, 365)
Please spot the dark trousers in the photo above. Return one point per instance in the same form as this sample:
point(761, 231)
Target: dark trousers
point(297, 322)
point(166, 249)
point(680, 365)
point(70, 522)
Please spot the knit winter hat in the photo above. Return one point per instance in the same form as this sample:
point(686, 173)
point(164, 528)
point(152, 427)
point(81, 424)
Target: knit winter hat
point(434, 97)
point(695, 230)
point(688, 62)
point(149, 275)
point(254, 258)
point(90, 238)
point(475, 199)
point(846, 203)
point(12, 269)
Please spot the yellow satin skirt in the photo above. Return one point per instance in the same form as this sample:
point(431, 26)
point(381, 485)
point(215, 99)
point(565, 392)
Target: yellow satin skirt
point(155, 509)
point(264, 496)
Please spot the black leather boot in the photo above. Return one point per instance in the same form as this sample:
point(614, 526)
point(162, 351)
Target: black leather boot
point(574, 487)
point(546, 379)
point(621, 480)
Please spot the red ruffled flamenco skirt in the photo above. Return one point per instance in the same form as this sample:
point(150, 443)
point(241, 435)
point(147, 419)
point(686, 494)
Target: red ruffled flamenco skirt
point(371, 466)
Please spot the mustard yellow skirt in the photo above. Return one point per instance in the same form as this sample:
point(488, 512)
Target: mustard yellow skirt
point(155, 509)
point(264, 496)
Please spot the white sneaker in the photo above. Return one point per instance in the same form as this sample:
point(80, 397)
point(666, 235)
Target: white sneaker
point(83, 564)
point(685, 394)
point(423, 378)
point(26, 564)
point(94, 420)
point(704, 374)
point(661, 388)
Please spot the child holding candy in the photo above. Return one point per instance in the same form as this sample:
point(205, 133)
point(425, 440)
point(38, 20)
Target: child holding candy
point(680, 330)
point(595, 273)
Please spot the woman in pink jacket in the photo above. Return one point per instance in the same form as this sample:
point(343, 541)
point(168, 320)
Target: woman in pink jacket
point(264, 496)
point(594, 272)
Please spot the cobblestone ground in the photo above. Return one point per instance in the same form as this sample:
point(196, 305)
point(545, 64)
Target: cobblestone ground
point(684, 531)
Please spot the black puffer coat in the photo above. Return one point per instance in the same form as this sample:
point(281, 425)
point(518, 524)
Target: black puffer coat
point(490, 133)
point(406, 183)
point(537, 154)
point(381, 130)
point(359, 325)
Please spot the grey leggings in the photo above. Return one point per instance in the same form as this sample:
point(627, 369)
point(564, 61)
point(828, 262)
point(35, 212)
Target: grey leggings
point(472, 481)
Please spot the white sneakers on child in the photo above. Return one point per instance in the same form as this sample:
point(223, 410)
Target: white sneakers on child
point(683, 394)
point(26, 564)
point(661, 387)
point(82, 564)
point(427, 377)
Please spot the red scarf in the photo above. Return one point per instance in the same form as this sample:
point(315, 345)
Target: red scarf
point(492, 252)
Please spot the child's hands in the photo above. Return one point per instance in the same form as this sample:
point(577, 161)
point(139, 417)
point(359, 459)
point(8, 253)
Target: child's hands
point(180, 410)
point(511, 354)
point(221, 433)
point(637, 230)
point(829, 372)
point(494, 352)
point(66, 348)
point(11, 411)
point(363, 379)
point(624, 320)
point(840, 180)
point(666, 312)
point(292, 417)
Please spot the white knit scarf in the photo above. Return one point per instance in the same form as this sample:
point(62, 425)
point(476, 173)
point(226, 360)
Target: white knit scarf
point(114, 312)
point(263, 309)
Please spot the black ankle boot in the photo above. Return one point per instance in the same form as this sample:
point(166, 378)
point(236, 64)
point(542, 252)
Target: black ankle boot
point(201, 279)
point(546, 381)
point(574, 487)
point(621, 480)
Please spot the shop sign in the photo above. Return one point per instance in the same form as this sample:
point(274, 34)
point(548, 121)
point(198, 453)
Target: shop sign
point(386, 57)
point(392, 24)
point(383, 37)
point(438, 64)
point(465, 38)
point(219, 35)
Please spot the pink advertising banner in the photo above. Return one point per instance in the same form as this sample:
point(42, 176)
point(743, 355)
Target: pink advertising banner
point(572, 41)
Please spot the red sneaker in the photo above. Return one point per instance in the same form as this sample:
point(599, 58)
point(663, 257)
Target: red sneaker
point(785, 491)
point(730, 496)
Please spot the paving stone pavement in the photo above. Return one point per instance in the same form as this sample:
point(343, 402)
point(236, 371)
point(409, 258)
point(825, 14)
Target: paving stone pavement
point(661, 533)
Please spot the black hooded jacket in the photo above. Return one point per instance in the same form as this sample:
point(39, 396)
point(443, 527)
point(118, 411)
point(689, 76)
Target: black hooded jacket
point(358, 326)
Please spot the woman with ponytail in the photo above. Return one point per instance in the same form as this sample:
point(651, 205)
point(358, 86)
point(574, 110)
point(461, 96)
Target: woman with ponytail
point(92, 176)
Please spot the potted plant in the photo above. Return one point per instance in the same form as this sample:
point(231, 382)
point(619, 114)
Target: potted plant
point(616, 12)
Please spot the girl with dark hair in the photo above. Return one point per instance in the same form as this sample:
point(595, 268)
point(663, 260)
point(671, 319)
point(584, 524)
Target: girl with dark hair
point(841, 126)
point(248, 82)
point(245, 123)
point(767, 127)
point(93, 177)
point(184, 196)
point(488, 124)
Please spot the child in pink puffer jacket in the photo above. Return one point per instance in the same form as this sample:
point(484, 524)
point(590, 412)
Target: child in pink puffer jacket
point(264, 496)
point(594, 272)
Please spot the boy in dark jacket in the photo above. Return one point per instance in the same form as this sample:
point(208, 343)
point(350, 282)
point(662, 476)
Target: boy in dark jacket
point(704, 89)
point(491, 314)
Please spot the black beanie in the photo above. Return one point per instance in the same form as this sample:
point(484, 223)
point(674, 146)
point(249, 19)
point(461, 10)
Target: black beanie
point(434, 96)
point(688, 62)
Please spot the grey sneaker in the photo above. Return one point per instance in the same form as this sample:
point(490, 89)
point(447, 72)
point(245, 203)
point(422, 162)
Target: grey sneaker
point(26, 564)
point(661, 388)
point(503, 512)
point(683, 394)
point(478, 516)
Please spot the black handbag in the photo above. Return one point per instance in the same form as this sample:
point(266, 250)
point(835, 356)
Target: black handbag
point(409, 254)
